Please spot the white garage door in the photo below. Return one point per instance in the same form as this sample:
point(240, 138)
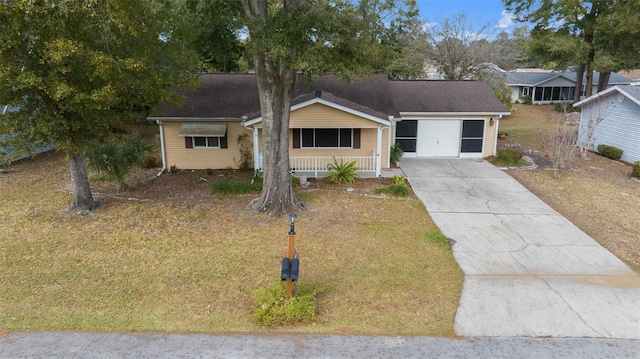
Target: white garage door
point(438, 138)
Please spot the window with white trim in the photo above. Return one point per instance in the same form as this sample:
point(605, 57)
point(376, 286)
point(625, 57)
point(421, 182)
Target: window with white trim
point(205, 142)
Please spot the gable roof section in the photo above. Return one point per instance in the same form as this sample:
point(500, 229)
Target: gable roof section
point(226, 97)
point(218, 97)
point(446, 97)
point(630, 91)
point(368, 97)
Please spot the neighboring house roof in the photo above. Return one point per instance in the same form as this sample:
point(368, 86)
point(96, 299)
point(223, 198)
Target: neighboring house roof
point(631, 74)
point(235, 96)
point(538, 78)
point(630, 91)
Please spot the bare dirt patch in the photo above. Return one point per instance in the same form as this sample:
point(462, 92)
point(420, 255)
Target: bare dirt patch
point(597, 194)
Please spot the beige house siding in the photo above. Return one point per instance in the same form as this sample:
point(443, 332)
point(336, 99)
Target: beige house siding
point(201, 158)
point(321, 116)
point(490, 136)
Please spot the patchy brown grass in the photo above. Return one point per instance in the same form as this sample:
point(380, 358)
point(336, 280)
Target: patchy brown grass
point(170, 256)
point(598, 194)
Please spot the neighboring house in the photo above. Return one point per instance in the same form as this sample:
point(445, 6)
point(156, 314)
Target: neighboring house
point(619, 108)
point(548, 87)
point(7, 155)
point(357, 121)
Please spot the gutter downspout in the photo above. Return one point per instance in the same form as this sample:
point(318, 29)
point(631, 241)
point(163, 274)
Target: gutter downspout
point(378, 152)
point(162, 149)
point(256, 150)
point(391, 136)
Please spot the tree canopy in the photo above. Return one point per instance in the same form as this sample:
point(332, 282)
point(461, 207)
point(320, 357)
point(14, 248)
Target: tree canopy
point(292, 38)
point(77, 70)
point(601, 35)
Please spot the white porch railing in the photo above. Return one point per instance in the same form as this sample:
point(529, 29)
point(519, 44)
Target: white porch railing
point(318, 164)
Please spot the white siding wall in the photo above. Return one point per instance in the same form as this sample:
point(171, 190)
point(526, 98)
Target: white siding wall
point(620, 127)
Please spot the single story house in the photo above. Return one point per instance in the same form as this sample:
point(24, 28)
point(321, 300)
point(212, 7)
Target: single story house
point(619, 108)
point(549, 87)
point(353, 121)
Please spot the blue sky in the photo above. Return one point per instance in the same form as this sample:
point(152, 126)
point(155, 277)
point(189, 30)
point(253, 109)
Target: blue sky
point(480, 11)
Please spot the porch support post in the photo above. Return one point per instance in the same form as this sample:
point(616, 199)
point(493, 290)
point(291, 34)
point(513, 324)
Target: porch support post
point(378, 152)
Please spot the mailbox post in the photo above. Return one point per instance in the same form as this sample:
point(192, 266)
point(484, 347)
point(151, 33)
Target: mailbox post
point(291, 263)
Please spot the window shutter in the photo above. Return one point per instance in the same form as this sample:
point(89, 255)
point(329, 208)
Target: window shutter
point(296, 138)
point(188, 142)
point(223, 142)
point(356, 138)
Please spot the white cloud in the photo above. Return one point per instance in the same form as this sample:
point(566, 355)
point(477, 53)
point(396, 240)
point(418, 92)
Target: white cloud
point(505, 21)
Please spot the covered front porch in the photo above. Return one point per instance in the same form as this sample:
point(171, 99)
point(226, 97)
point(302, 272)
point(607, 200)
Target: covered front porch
point(316, 166)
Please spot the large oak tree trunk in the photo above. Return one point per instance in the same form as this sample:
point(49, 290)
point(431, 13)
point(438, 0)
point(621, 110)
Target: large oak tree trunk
point(82, 200)
point(603, 81)
point(276, 88)
point(276, 78)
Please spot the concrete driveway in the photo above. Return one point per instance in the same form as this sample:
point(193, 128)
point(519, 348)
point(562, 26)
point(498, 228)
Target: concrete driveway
point(528, 270)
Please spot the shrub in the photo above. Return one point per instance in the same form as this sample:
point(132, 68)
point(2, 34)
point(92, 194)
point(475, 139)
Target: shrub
point(246, 152)
point(559, 146)
point(273, 309)
point(209, 171)
point(508, 156)
point(564, 107)
point(342, 172)
point(400, 179)
point(635, 172)
point(526, 100)
point(609, 151)
point(148, 162)
point(398, 190)
point(117, 155)
point(396, 153)
point(173, 169)
point(226, 186)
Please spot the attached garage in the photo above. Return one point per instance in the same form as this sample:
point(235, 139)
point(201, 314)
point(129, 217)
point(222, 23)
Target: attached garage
point(441, 137)
point(447, 118)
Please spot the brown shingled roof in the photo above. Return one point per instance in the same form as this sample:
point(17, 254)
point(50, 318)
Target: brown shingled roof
point(232, 96)
point(441, 96)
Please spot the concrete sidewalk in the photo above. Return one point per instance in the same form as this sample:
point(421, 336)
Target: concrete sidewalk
point(528, 270)
point(170, 346)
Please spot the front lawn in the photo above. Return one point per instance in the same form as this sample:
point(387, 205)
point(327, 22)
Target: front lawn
point(176, 258)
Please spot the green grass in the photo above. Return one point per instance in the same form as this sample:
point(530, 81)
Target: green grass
point(190, 264)
point(227, 186)
point(529, 124)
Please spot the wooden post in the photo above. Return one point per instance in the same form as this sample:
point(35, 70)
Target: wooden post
point(291, 254)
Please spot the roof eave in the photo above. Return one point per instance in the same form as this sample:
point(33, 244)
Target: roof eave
point(496, 113)
point(316, 100)
point(187, 118)
point(606, 93)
